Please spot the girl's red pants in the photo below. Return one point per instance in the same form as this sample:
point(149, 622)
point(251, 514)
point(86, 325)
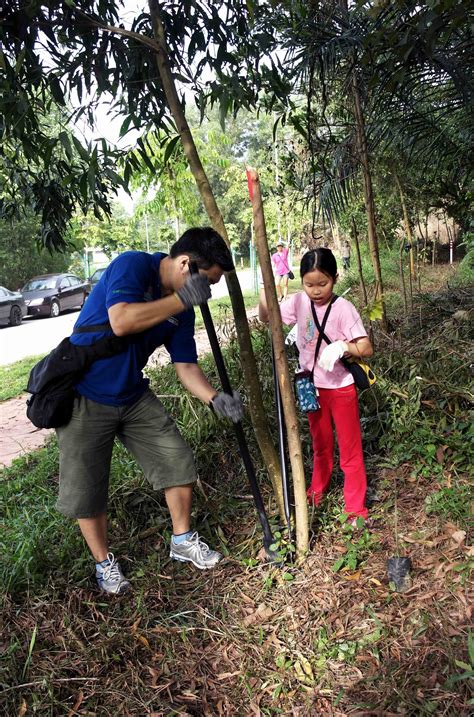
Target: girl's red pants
point(341, 407)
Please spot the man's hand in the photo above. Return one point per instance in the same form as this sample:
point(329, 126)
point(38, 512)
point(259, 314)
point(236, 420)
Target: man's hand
point(331, 354)
point(195, 291)
point(226, 406)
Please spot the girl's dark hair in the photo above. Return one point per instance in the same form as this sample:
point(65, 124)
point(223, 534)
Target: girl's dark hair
point(322, 259)
point(204, 246)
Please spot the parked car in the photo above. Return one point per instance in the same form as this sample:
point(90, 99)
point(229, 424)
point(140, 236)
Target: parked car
point(12, 307)
point(96, 276)
point(49, 294)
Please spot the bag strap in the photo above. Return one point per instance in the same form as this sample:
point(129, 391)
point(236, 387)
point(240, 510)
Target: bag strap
point(321, 327)
point(93, 329)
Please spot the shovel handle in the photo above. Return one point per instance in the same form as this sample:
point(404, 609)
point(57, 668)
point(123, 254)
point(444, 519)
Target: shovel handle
point(239, 431)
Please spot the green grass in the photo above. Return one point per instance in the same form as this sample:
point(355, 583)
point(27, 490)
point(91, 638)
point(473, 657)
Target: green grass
point(221, 306)
point(14, 377)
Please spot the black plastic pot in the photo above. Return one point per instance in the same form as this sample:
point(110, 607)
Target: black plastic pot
point(398, 571)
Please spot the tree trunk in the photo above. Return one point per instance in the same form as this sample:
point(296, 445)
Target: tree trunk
point(409, 236)
point(249, 365)
point(450, 235)
point(363, 157)
point(282, 369)
point(359, 262)
point(402, 275)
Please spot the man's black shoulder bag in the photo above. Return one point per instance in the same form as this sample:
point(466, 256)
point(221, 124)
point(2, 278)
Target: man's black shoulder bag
point(51, 381)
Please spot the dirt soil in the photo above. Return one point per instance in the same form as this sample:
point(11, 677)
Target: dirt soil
point(19, 436)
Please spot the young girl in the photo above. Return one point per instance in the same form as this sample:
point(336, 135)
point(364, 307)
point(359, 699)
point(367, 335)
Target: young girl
point(337, 392)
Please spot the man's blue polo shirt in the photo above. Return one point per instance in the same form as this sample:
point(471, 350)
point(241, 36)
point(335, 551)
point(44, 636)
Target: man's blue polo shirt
point(133, 277)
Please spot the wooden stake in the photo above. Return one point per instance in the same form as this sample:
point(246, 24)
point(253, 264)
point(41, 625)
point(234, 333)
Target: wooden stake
point(282, 369)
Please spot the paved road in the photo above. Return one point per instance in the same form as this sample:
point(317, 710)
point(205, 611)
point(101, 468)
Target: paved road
point(39, 335)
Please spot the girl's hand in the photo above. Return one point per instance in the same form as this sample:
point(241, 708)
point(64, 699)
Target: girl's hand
point(332, 353)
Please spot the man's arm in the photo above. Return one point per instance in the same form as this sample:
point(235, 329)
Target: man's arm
point(223, 404)
point(134, 318)
point(194, 381)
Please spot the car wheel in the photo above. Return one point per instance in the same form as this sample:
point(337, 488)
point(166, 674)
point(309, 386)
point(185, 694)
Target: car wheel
point(54, 311)
point(86, 296)
point(15, 316)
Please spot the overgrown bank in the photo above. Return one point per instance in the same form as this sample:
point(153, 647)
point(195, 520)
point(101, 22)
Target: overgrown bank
point(247, 637)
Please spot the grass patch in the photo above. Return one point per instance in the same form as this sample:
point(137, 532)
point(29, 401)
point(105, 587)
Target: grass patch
point(14, 377)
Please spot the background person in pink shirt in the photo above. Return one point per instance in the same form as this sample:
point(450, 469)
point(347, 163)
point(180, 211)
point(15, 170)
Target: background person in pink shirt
point(281, 270)
point(337, 392)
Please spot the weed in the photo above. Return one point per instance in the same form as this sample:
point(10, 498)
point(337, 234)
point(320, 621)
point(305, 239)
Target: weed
point(284, 548)
point(453, 503)
point(359, 543)
point(329, 649)
point(468, 668)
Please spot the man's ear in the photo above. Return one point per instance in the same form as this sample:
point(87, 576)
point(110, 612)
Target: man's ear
point(183, 263)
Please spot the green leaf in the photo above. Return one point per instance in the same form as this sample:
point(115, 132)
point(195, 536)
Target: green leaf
point(470, 647)
point(375, 311)
point(56, 90)
point(170, 147)
point(66, 142)
point(83, 153)
point(462, 665)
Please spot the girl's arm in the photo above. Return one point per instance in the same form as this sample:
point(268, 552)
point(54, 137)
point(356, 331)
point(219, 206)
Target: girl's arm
point(262, 307)
point(359, 348)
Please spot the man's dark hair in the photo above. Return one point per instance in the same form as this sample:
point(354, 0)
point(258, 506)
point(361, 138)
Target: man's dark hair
point(204, 246)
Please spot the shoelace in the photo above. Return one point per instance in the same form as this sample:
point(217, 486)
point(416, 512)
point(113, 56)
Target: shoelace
point(199, 543)
point(112, 570)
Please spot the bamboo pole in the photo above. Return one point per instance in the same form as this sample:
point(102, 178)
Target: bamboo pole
point(282, 368)
point(406, 220)
point(359, 262)
point(248, 362)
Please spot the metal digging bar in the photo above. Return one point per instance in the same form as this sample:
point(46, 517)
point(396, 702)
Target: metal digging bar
point(281, 444)
point(268, 538)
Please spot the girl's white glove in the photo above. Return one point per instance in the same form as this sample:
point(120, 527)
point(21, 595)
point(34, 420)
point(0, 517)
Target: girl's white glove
point(331, 354)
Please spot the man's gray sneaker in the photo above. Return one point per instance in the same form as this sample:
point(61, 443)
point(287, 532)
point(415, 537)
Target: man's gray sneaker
point(195, 551)
point(110, 578)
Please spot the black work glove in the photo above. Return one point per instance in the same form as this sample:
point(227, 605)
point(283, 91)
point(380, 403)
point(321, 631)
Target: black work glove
point(195, 291)
point(226, 406)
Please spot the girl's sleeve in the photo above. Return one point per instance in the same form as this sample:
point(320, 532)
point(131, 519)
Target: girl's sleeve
point(288, 310)
point(352, 326)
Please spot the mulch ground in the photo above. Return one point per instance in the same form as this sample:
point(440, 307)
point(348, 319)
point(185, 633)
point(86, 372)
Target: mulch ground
point(246, 641)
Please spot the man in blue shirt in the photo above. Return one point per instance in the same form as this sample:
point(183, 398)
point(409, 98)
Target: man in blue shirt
point(149, 299)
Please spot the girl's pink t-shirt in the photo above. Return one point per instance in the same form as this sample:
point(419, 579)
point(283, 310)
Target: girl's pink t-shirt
point(343, 323)
point(280, 262)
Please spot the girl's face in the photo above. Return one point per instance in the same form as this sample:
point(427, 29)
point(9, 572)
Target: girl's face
point(318, 286)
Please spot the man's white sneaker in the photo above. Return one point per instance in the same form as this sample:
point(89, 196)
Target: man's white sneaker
point(110, 578)
point(195, 551)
